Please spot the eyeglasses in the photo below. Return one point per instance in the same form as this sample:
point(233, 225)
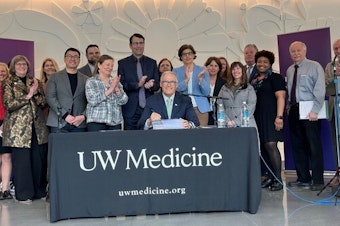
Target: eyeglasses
point(21, 64)
point(137, 43)
point(188, 54)
point(169, 82)
point(72, 57)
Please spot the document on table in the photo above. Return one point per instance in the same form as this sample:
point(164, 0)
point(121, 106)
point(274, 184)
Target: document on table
point(168, 124)
point(306, 106)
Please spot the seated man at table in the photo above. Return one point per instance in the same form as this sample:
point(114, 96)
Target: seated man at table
point(168, 104)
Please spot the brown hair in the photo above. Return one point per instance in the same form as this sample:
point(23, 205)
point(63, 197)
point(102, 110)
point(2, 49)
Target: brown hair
point(230, 77)
point(101, 60)
point(165, 59)
point(224, 74)
point(15, 60)
point(218, 62)
point(184, 47)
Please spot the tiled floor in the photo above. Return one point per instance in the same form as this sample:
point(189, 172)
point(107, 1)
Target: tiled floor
point(287, 208)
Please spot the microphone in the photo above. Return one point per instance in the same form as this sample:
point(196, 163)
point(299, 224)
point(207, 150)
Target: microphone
point(333, 63)
point(334, 68)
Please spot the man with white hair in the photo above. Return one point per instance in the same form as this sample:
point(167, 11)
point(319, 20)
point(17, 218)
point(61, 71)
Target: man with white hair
point(306, 82)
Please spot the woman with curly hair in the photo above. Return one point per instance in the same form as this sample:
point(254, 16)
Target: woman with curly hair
point(271, 91)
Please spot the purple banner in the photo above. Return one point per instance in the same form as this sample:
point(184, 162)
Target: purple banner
point(11, 47)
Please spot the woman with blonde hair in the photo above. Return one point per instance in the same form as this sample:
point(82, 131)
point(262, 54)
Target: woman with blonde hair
point(48, 67)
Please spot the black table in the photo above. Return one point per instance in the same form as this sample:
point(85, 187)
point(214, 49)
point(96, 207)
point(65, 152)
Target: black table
point(99, 174)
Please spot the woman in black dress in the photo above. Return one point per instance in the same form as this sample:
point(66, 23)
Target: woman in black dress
point(271, 91)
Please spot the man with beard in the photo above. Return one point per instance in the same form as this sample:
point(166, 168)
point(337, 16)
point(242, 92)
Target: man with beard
point(92, 55)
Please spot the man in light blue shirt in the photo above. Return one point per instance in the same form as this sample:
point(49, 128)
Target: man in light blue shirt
point(305, 82)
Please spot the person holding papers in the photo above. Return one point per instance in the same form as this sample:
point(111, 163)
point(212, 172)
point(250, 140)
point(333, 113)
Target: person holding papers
point(305, 82)
point(168, 104)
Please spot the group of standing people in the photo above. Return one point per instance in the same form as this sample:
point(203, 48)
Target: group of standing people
point(92, 99)
point(265, 93)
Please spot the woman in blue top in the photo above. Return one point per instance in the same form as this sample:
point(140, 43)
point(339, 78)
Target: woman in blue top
point(194, 80)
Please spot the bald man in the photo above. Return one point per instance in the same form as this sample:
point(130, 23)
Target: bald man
point(305, 82)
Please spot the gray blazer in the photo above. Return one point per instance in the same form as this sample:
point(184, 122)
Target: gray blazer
point(59, 95)
point(85, 70)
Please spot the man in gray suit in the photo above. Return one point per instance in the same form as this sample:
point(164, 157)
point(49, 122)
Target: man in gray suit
point(92, 55)
point(65, 94)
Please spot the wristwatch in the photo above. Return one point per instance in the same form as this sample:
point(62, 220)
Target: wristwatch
point(279, 117)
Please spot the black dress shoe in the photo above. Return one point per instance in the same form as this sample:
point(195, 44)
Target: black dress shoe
point(7, 195)
point(266, 183)
point(299, 184)
point(275, 186)
point(316, 187)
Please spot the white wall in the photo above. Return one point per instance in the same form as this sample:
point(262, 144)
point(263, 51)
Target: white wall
point(213, 27)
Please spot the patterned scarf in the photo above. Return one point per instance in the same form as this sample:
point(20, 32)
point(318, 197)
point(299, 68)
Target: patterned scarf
point(257, 81)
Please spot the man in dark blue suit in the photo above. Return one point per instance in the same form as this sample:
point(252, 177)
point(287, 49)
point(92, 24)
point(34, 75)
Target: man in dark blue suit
point(180, 105)
point(140, 79)
point(249, 57)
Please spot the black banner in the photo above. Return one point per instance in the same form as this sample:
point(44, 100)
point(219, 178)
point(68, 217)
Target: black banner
point(153, 172)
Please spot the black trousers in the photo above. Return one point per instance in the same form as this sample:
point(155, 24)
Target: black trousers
point(130, 123)
point(307, 147)
point(30, 169)
point(94, 127)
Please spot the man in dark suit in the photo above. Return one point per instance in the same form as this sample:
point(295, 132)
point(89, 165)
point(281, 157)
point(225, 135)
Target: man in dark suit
point(140, 79)
point(249, 57)
point(92, 55)
point(65, 94)
point(180, 106)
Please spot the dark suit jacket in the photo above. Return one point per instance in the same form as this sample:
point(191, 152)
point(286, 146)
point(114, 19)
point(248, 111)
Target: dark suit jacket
point(85, 70)
point(59, 95)
point(127, 68)
point(253, 73)
point(218, 85)
point(182, 108)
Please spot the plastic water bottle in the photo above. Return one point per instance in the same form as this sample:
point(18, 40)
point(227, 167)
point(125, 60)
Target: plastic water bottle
point(245, 115)
point(220, 116)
